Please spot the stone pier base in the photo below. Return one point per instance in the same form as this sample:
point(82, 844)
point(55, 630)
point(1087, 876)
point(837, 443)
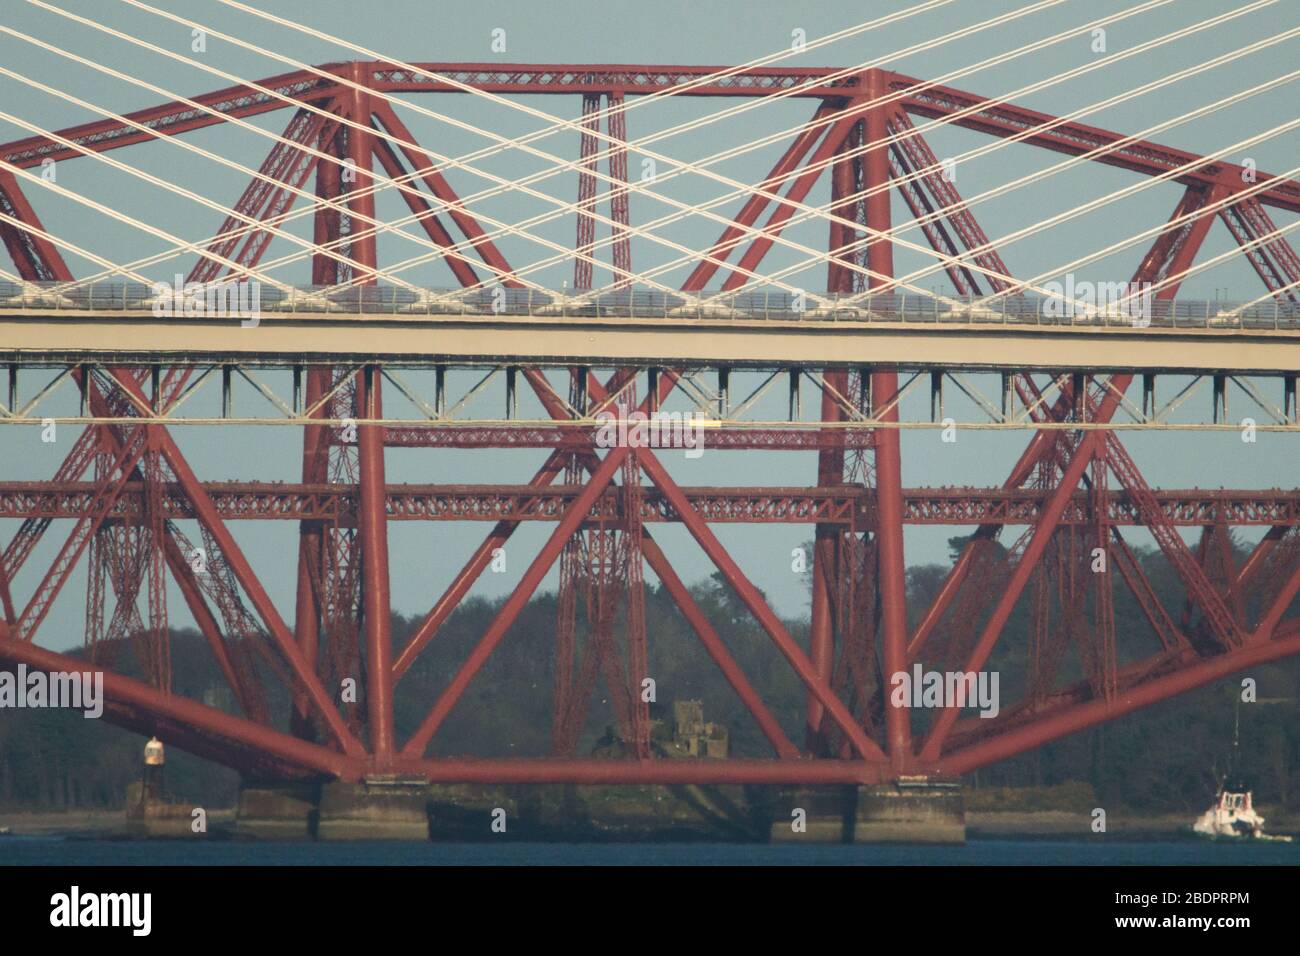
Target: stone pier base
point(380, 808)
point(277, 811)
point(393, 808)
point(813, 815)
point(910, 812)
point(461, 812)
point(150, 815)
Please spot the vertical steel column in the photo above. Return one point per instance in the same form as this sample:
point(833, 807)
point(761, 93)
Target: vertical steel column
point(361, 198)
point(306, 621)
point(889, 477)
point(616, 126)
point(308, 612)
point(573, 578)
point(374, 569)
point(830, 464)
point(638, 662)
point(373, 518)
point(587, 153)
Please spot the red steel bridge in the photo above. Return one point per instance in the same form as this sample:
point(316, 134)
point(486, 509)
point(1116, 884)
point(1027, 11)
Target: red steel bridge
point(337, 362)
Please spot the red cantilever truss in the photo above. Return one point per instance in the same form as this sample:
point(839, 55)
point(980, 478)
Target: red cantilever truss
point(125, 488)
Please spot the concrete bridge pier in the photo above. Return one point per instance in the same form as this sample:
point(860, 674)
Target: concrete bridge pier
point(910, 811)
point(277, 810)
point(394, 808)
point(379, 808)
point(907, 811)
point(150, 814)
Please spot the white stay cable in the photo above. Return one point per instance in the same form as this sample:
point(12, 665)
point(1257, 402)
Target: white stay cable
point(1020, 285)
point(578, 165)
point(777, 181)
point(861, 106)
point(73, 248)
point(108, 210)
point(925, 250)
point(253, 224)
point(369, 130)
point(1194, 269)
point(188, 194)
point(1068, 163)
point(566, 207)
point(615, 144)
point(545, 174)
point(1272, 294)
point(642, 100)
point(1208, 209)
point(258, 224)
point(679, 89)
point(980, 151)
point(658, 94)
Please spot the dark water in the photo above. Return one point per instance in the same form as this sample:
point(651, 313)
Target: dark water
point(22, 851)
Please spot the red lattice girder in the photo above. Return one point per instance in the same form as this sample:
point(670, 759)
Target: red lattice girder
point(1170, 635)
point(106, 493)
point(735, 234)
point(231, 653)
point(1200, 590)
point(586, 235)
point(745, 590)
point(287, 167)
point(708, 636)
point(1170, 254)
point(690, 609)
point(1020, 574)
point(224, 737)
point(1159, 260)
point(1273, 259)
point(509, 611)
point(914, 155)
point(990, 116)
point(208, 516)
point(344, 503)
point(111, 440)
point(997, 118)
point(170, 119)
point(36, 258)
point(1272, 616)
point(797, 192)
point(428, 219)
point(424, 165)
point(1072, 719)
point(25, 539)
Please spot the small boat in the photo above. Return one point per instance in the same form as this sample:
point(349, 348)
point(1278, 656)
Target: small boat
point(1233, 817)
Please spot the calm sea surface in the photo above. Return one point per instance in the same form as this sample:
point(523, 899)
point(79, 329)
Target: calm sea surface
point(20, 851)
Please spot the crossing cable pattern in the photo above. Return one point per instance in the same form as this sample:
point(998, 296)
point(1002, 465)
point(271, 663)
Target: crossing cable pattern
point(779, 239)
